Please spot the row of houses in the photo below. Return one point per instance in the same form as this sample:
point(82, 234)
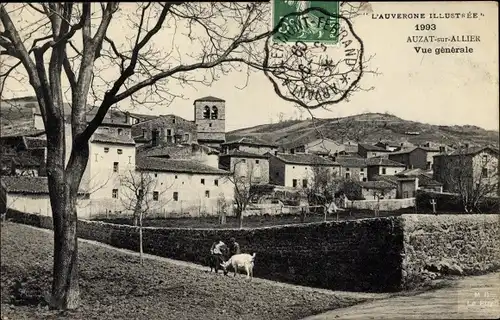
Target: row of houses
point(191, 169)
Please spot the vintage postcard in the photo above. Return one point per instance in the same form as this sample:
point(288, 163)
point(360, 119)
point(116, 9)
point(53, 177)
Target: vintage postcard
point(332, 159)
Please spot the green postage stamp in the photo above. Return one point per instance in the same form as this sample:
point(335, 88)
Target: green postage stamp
point(312, 26)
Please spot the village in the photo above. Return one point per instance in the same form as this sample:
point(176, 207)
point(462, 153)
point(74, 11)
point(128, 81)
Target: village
point(173, 167)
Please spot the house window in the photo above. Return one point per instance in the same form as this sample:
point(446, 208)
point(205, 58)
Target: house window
point(428, 164)
point(210, 125)
point(106, 150)
point(207, 194)
point(362, 169)
point(175, 177)
point(256, 161)
point(156, 175)
point(129, 159)
point(141, 193)
point(347, 175)
point(216, 182)
point(115, 166)
point(155, 195)
point(304, 183)
point(202, 181)
point(215, 113)
point(346, 169)
point(144, 133)
point(186, 137)
point(294, 183)
point(154, 138)
point(169, 135)
point(383, 170)
point(485, 159)
point(119, 151)
point(484, 172)
point(120, 132)
point(176, 196)
point(364, 179)
point(115, 193)
point(173, 120)
point(206, 112)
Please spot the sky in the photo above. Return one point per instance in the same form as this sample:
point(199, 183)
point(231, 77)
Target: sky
point(445, 89)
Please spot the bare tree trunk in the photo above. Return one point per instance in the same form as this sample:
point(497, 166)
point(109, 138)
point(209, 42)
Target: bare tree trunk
point(223, 217)
point(240, 219)
point(63, 191)
point(140, 239)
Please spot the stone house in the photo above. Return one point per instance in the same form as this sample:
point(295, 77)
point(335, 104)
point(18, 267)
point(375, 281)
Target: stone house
point(186, 188)
point(406, 187)
point(249, 144)
point(468, 168)
point(382, 166)
point(425, 181)
point(370, 151)
point(312, 143)
point(415, 157)
point(165, 130)
point(193, 152)
point(374, 190)
point(23, 154)
point(111, 155)
point(352, 167)
point(389, 145)
point(297, 170)
point(252, 167)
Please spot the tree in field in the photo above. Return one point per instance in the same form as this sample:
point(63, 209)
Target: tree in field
point(61, 48)
point(141, 194)
point(380, 192)
point(322, 183)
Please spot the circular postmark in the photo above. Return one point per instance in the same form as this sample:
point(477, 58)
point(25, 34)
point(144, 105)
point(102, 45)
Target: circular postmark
point(313, 58)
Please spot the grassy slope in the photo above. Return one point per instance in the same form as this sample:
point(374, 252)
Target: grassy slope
point(114, 286)
point(371, 127)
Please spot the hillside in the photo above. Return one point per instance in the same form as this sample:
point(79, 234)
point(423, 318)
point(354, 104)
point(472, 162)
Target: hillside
point(369, 128)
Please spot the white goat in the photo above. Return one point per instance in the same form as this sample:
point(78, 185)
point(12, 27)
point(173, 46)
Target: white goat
point(240, 261)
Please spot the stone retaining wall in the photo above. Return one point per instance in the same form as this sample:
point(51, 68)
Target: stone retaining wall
point(372, 255)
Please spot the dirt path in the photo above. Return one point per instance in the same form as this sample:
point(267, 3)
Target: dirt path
point(346, 294)
point(470, 298)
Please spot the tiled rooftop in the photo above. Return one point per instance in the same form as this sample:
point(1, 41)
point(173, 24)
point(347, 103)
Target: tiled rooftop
point(35, 143)
point(305, 159)
point(25, 184)
point(351, 161)
point(377, 185)
point(252, 141)
point(379, 161)
point(244, 154)
point(170, 165)
point(370, 147)
point(210, 98)
point(116, 139)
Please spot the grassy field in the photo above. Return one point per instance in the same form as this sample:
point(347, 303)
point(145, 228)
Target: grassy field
point(248, 222)
point(115, 286)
